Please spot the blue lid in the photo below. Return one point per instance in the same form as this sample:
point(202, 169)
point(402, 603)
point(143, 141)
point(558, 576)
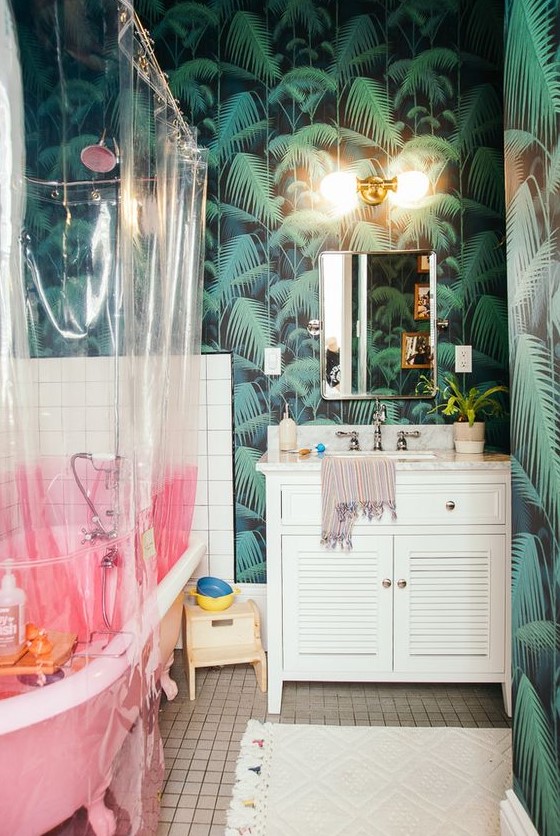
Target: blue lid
point(213, 587)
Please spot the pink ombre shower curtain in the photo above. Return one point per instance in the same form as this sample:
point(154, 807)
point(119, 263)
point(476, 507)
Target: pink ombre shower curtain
point(100, 312)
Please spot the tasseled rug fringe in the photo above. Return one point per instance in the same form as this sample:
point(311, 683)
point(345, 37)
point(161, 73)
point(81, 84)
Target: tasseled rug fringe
point(247, 811)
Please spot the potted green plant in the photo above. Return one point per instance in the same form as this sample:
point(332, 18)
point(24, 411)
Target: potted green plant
point(469, 407)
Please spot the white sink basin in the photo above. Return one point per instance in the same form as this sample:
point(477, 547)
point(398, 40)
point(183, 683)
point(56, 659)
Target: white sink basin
point(410, 455)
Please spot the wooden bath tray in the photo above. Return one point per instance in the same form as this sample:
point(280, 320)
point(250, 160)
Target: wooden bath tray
point(47, 664)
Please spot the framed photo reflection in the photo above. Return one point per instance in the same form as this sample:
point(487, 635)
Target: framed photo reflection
point(422, 301)
point(416, 352)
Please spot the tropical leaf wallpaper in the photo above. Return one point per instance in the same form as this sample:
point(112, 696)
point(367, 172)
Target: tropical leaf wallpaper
point(70, 69)
point(532, 119)
point(282, 93)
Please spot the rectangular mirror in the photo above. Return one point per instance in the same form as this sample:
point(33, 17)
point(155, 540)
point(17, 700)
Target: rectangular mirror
point(378, 323)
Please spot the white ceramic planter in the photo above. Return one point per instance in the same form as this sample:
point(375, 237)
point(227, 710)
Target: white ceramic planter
point(469, 439)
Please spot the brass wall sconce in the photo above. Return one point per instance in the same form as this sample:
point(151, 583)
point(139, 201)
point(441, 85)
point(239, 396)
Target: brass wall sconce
point(343, 189)
point(374, 190)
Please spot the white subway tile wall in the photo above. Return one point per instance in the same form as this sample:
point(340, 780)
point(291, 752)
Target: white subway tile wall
point(214, 510)
point(71, 401)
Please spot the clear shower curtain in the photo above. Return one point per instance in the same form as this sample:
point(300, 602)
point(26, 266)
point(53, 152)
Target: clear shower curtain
point(100, 344)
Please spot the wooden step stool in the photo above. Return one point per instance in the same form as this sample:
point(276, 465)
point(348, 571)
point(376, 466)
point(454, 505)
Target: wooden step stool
point(222, 638)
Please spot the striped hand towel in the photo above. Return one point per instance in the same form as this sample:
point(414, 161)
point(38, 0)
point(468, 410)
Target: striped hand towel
point(352, 486)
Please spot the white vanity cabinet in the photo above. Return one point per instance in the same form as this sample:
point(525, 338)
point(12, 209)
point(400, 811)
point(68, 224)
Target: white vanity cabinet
point(422, 598)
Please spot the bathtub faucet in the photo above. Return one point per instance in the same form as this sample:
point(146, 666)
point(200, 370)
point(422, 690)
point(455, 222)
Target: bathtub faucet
point(98, 531)
point(109, 559)
point(109, 465)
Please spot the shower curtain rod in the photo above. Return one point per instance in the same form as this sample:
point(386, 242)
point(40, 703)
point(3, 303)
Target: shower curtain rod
point(146, 42)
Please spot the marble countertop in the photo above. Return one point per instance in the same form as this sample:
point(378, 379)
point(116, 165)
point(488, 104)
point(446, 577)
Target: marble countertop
point(437, 439)
point(274, 461)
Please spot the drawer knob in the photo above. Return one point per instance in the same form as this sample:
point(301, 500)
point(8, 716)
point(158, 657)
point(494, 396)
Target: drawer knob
point(401, 583)
point(450, 505)
point(386, 582)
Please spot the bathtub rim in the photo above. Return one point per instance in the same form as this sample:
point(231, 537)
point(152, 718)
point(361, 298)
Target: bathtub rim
point(179, 575)
point(33, 707)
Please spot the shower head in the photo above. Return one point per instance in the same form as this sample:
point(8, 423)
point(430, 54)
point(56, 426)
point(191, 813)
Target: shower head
point(98, 157)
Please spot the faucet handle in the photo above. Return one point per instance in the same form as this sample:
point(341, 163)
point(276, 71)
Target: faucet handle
point(88, 535)
point(401, 438)
point(353, 435)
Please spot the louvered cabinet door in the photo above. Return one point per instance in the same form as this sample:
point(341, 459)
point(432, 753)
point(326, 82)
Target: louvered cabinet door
point(449, 607)
point(337, 612)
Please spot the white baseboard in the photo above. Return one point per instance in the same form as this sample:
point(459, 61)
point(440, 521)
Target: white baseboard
point(514, 819)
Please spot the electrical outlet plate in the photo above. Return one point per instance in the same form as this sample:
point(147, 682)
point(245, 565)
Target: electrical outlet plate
point(272, 360)
point(463, 358)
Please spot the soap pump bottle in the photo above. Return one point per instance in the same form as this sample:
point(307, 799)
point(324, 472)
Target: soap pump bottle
point(288, 432)
point(12, 614)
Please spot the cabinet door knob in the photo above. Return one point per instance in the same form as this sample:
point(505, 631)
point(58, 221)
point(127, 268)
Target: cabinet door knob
point(386, 582)
point(450, 505)
point(401, 583)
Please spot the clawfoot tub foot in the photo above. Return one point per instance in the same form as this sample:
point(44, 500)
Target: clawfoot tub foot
point(169, 686)
point(101, 819)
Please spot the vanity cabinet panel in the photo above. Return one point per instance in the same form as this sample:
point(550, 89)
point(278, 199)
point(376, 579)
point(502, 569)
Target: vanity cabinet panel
point(449, 601)
point(406, 604)
point(301, 505)
point(433, 501)
point(336, 611)
point(442, 614)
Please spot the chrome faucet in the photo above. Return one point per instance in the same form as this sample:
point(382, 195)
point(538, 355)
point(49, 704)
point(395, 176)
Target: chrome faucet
point(98, 530)
point(354, 440)
point(401, 438)
point(379, 417)
point(110, 466)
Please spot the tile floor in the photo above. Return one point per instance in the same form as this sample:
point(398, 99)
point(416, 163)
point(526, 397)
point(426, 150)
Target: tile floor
point(201, 738)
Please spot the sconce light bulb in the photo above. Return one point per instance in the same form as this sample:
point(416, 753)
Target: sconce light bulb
point(339, 188)
point(412, 187)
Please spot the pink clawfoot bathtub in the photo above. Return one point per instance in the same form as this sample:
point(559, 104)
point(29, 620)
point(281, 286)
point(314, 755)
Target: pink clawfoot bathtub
point(58, 743)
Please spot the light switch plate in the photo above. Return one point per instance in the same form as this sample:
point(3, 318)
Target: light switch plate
point(272, 360)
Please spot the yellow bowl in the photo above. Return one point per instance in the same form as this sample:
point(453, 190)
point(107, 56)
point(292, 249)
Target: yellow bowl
point(222, 602)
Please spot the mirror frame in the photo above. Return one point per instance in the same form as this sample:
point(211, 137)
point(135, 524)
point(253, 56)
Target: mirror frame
point(432, 280)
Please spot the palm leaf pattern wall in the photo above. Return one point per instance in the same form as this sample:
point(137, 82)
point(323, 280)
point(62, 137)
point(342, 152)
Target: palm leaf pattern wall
point(532, 92)
point(70, 73)
point(283, 92)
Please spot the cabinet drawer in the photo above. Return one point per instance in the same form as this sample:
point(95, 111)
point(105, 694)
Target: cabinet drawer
point(445, 503)
point(427, 502)
point(301, 505)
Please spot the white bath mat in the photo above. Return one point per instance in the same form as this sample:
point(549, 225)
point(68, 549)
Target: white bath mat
point(369, 781)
